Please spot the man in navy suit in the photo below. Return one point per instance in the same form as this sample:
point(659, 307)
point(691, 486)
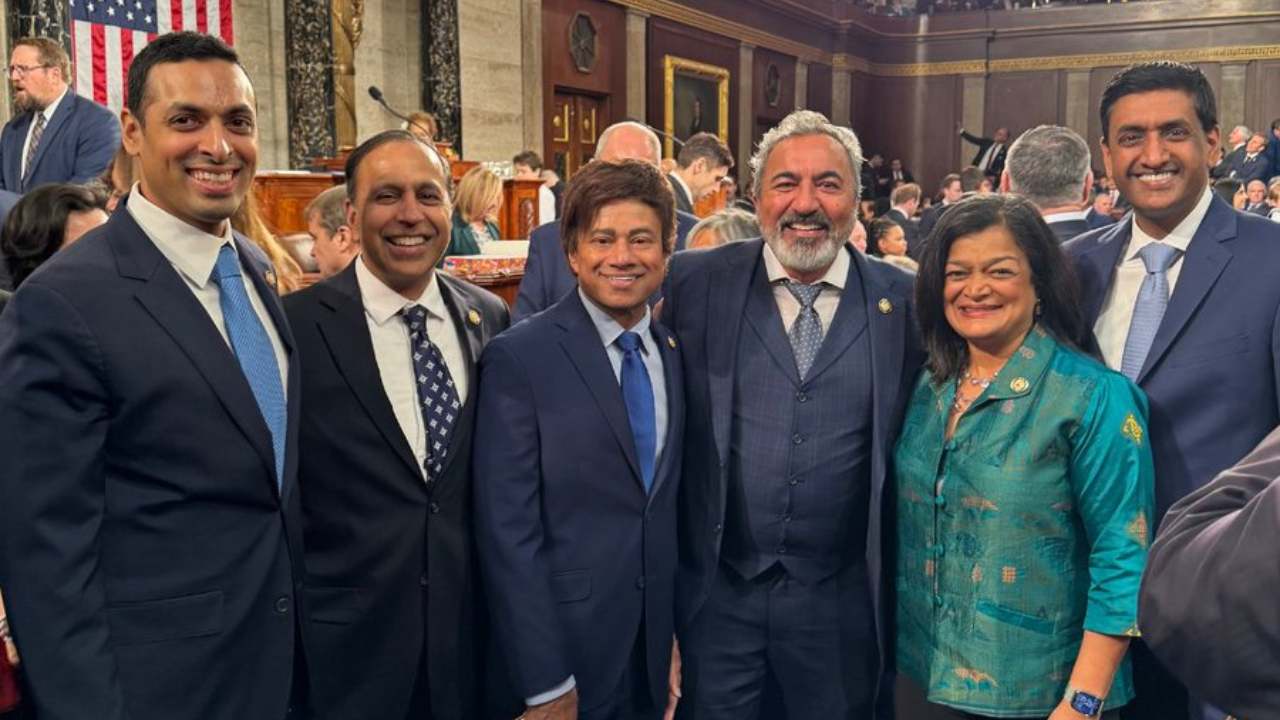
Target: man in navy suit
point(1182, 297)
point(547, 277)
point(798, 355)
point(1253, 164)
point(58, 136)
point(580, 423)
point(1049, 165)
point(148, 401)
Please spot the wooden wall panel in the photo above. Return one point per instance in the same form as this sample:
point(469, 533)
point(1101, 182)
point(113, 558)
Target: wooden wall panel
point(609, 76)
point(1262, 104)
point(913, 118)
point(766, 117)
point(1021, 101)
point(819, 90)
point(668, 38)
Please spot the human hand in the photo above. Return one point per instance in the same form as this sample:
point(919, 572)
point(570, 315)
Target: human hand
point(673, 683)
point(1064, 711)
point(564, 707)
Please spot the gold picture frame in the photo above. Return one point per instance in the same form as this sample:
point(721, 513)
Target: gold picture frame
point(688, 87)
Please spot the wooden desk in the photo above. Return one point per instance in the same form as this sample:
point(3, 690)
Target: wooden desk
point(283, 197)
point(519, 214)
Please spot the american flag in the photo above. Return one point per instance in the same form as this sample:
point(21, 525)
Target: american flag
point(107, 34)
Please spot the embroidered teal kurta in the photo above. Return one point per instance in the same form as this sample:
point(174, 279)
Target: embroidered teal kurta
point(1026, 529)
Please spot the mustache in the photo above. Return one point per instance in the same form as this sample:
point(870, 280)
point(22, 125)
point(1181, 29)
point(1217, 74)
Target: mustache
point(814, 217)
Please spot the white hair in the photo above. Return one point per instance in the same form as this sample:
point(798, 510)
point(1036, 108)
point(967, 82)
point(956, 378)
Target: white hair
point(807, 122)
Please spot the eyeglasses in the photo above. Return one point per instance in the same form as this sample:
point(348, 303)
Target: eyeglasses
point(22, 71)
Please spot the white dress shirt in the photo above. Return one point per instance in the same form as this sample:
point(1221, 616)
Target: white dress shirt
point(828, 300)
point(193, 253)
point(1066, 216)
point(48, 118)
point(394, 355)
point(1112, 327)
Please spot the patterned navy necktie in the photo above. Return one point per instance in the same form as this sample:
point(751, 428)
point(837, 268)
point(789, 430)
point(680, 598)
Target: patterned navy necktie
point(436, 392)
point(806, 331)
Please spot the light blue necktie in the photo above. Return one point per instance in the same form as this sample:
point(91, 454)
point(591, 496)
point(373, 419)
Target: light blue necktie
point(806, 331)
point(1153, 298)
point(637, 393)
point(253, 349)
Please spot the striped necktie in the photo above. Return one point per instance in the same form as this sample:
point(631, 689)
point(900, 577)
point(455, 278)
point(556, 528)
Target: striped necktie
point(36, 133)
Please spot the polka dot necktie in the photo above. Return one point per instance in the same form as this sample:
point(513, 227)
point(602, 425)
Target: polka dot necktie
point(806, 331)
point(436, 393)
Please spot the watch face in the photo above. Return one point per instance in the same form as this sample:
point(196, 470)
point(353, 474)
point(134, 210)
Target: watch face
point(1086, 704)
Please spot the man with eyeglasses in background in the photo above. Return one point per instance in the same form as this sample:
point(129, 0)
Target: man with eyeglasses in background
point(57, 136)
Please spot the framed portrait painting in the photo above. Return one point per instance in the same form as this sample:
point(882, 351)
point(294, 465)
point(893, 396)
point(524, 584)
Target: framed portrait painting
point(696, 99)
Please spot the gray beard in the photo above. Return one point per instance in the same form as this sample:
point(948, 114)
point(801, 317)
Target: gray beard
point(807, 257)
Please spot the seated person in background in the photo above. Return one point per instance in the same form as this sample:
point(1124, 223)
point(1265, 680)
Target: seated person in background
point(1273, 199)
point(46, 220)
point(248, 221)
point(528, 166)
point(118, 178)
point(1255, 195)
point(1099, 214)
point(423, 125)
point(728, 225)
point(858, 237)
point(1253, 164)
point(475, 205)
point(887, 241)
point(333, 245)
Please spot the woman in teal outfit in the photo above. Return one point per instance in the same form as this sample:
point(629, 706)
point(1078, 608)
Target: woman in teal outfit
point(1025, 483)
point(475, 204)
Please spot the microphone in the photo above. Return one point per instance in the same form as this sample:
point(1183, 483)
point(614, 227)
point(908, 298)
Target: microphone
point(678, 142)
point(376, 93)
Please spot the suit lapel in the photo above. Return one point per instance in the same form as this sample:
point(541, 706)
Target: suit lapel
point(166, 297)
point(849, 321)
point(1204, 262)
point(1098, 268)
point(61, 117)
point(581, 343)
point(728, 290)
point(13, 153)
point(346, 334)
point(673, 374)
point(763, 318)
point(471, 336)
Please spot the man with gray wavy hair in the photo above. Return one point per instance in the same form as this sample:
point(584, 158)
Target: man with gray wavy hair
point(796, 352)
point(1049, 165)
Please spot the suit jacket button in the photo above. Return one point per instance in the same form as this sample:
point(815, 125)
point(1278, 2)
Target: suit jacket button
point(640, 582)
point(283, 604)
point(424, 580)
point(435, 508)
point(719, 528)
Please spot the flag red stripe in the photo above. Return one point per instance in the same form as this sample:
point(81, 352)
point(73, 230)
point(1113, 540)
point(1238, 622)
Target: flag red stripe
point(126, 59)
point(175, 15)
point(98, 33)
point(224, 17)
point(202, 16)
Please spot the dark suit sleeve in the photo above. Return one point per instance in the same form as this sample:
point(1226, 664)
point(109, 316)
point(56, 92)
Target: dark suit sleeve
point(54, 416)
point(1208, 608)
point(533, 286)
point(981, 142)
point(509, 530)
point(97, 143)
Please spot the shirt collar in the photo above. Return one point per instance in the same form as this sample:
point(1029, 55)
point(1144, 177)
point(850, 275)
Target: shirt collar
point(836, 275)
point(52, 107)
point(193, 251)
point(1065, 216)
point(608, 328)
point(1181, 235)
point(382, 303)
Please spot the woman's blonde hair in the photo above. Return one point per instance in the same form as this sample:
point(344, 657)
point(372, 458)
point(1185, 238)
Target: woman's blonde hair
point(478, 189)
point(248, 221)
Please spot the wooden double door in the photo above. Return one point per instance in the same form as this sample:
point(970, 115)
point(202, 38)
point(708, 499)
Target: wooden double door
point(574, 128)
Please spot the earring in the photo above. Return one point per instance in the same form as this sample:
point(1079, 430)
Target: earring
point(1039, 308)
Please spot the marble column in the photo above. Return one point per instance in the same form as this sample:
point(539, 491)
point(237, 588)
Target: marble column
point(637, 53)
point(1079, 105)
point(308, 58)
point(973, 110)
point(260, 42)
point(1231, 97)
point(802, 84)
point(531, 58)
point(746, 119)
point(442, 68)
point(841, 95)
point(347, 20)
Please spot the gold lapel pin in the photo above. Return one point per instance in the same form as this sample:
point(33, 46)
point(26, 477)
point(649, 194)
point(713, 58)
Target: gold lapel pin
point(672, 342)
point(270, 277)
point(885, 306)
point(473, 317)
point(1019, 384)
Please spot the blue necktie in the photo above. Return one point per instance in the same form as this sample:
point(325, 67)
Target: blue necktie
point(253, 349)
point(637, 393)
point(1153, 298)
point(806, 331)
point(436, 393)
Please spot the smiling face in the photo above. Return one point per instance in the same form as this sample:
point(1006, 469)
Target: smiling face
point(198, 147)
point(1159, 156)
point(988, 292)
point(401, 214)
point(620, 261)
point(806, 204)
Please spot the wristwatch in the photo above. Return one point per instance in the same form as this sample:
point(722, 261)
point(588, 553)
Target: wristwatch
point(1084, 703)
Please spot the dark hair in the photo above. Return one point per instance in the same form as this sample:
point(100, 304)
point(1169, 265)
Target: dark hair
point(1161, 75)
point(947, 180)
point(971, 179)
point(34, 230)
point(600, 183)
point(391, 136)
point(708, 147)
point(878, 229)
point(1226, 188)
point(172, 48)
point(1051, 275)
point(52, 54)
point(530, 158)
